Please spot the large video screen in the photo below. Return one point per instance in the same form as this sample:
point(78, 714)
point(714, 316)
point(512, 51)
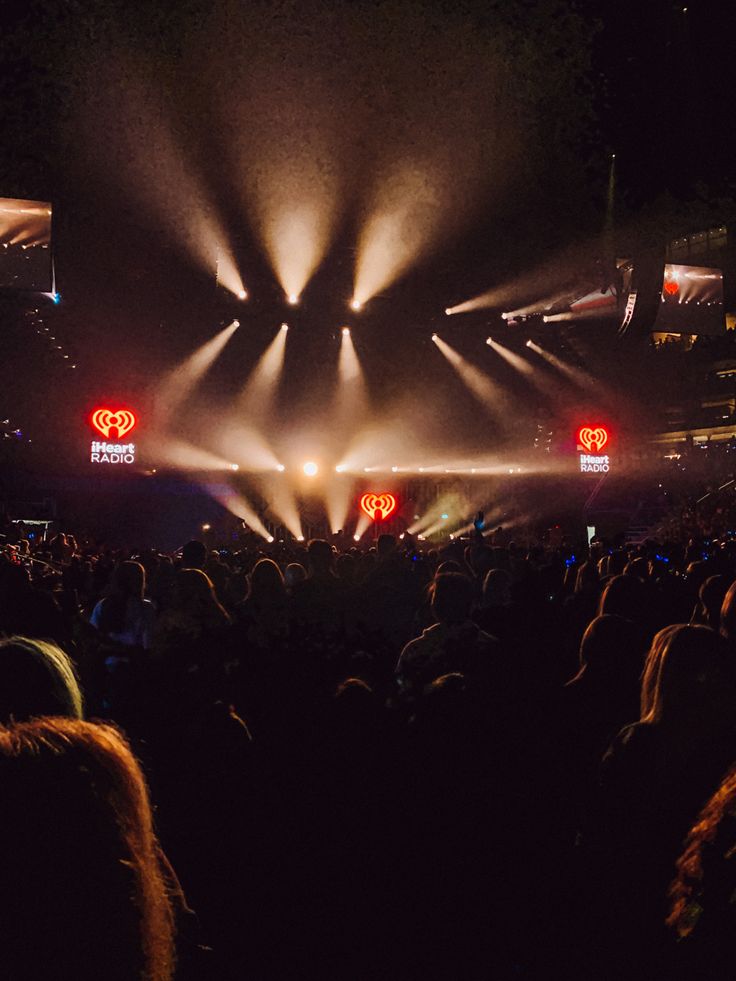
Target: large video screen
point(691, 301)
point(25, 245)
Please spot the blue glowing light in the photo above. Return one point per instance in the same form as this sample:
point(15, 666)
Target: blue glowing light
point(56, 297)
point(445, 517)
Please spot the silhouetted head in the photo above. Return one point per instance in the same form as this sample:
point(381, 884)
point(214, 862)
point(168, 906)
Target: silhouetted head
point(194, 555)
point(82, 886)
point(688, 676)
point(266, 581)
point(294, 573)
point(36, 678)
point(128, 580)
point(451, 595)
point(320, 556)
point(497, 588)
point(728, 614)
point(624, 596)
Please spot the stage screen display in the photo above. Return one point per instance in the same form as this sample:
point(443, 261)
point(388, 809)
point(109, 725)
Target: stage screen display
point(25, 245)
point(691, 301)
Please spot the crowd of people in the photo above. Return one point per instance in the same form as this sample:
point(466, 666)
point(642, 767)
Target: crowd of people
point(462, 761)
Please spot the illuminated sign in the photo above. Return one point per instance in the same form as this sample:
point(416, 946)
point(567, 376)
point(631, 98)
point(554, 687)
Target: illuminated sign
point(105, 420)
point(378, 507)
point(113, 425)
point(593, 439)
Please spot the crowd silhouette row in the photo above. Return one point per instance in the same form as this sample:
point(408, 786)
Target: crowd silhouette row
point(457, 762)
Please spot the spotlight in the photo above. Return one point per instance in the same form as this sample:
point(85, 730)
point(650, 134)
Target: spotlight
point(284, 326)
point(269, 539)
point(280, 467)
point(504, 316)
point(310, 469)
point(341, 468)
point(236, 323)
point(448, 311)
point(346, 331)
point(489, 340)
point(356, 305)
point(234, 466)
point(206, 527)
point(242, 294)
point(444, 516)
point(293, 299)
point(545, 319)
point(435, 337)
point(356, 538)
point(394, 469)
point(529, 343)
point(300, 538)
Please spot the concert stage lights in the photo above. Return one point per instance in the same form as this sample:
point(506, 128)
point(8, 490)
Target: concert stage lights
point(310, 469)
point(242, 294)
point(284, 327)
point(280, 467)
point(292, 299)
point(435, 337)
point(346, 331)
point(356, 305)
point(341, 468)
point(234, 466)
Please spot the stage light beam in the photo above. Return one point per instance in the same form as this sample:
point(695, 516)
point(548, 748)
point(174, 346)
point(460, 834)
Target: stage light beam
point(310, 469)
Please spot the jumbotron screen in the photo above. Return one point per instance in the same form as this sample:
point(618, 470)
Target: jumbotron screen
point(25, 245)
point(691, 301)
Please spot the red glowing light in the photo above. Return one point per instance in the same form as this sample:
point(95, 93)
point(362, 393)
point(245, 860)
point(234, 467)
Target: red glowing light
point(593, 439)
point(378, 506)
point(105, 420)
point(672, 287)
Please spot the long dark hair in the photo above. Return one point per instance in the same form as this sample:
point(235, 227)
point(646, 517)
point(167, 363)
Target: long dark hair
point(82, 877)
point(128, 582)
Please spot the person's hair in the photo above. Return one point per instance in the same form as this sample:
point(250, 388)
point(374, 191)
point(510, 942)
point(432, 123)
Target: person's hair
point(294, 573)
point(82, 879)
point(195, 594)
point(685, 890)
point(194, 555)
point(449, 565)
point(683, 663)
point(624, 596)
point(710, 600)
point(128, 582)
point(497, 588)
point(36, 678)
point(265, 581)
point(728, 613)
point(320, 555)
point(609, 649)
point(451, 595)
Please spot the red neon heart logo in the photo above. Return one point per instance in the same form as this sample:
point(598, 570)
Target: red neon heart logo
point(593, 439)
point(105, 420)
point(671, 287)
point(378, 506)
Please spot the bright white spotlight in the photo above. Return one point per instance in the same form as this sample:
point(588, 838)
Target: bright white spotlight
point(206, 527)
point(489, 340)
point(300, 538)
point(310, 469)
point(269, 539)
point(341, 468)
point(448, 311)
point(284, 326)
point(356, 305)
point(280, 467)
point(434, 337)
point(234, 466)
point(394, 469)
point(356, 538)
point(529, 343)
point(346, 331)
point(236, 323)
point(242, 294)
point(505, 316)
point(545, 319)
point(293, 299)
